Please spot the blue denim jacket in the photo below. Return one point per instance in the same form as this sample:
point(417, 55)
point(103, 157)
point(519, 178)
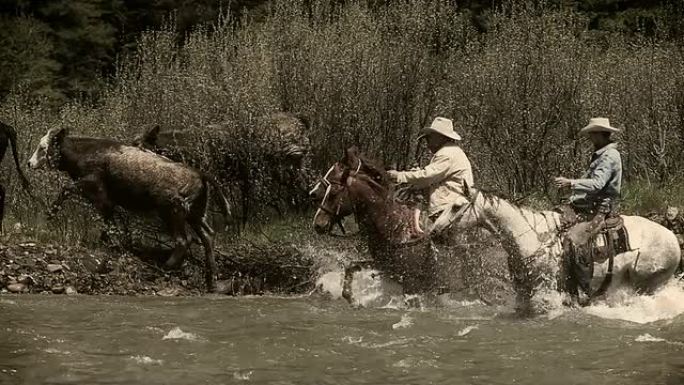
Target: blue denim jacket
point(600, 185)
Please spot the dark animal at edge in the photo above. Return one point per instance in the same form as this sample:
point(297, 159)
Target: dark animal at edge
point(109, 173)
point(8, 136)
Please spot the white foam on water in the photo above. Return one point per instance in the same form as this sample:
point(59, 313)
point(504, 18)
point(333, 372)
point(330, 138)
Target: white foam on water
point(145, 360)
point(352, 340)
point(465, 331)
point(405, 322)
point(665, 304)
point(178, 334)
point(648, 338)
point(56, 351)
point(399, 341)
point(243, 375)
point(411, 362)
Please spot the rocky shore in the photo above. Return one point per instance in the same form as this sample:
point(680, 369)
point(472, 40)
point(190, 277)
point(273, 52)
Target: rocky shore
point(243, 269)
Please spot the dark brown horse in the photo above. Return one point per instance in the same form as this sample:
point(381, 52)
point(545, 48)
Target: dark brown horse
point(355, 185)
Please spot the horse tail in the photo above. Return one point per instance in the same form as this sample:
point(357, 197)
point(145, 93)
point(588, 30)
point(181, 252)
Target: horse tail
point(223, 203)
point(12, 135)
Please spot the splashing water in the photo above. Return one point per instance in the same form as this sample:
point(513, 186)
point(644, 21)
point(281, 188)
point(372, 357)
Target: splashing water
point(405, 322)
point(648, 338)
point(465, 331)
point(665, 304)
point(145, 360)
point(369, 289)
point(178, 334)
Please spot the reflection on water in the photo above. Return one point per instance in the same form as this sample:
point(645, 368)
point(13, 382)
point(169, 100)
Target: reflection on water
point(218, 340)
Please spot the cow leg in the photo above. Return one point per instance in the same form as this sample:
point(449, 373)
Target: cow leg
point(92, 187)
point(176, 223)
point(205, 232)
point(63, 195)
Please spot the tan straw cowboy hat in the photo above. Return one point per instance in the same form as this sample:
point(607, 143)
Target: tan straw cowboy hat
point(598, 125)
point(442, 126)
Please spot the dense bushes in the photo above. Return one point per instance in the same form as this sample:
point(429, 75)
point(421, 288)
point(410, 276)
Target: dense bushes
point(373, 75)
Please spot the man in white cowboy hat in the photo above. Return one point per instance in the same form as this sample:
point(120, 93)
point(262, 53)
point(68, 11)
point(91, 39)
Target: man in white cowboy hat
point(595, 196)
point(448, 170)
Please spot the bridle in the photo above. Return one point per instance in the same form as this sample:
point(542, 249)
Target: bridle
point(335, 217)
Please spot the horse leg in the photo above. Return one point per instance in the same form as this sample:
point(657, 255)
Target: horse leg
point(347, 281)
point(205, 233)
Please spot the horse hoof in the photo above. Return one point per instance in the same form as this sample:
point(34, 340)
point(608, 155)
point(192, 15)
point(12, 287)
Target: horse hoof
point(347, 296)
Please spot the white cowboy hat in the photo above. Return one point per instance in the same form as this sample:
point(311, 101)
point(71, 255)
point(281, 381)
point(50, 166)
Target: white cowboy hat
point(442, 126)
point(598, 125)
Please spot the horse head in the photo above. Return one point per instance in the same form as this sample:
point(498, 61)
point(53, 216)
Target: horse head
point(333, 190)
point(334, 197)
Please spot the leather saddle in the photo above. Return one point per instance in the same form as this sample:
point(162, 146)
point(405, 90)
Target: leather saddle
point(611, 238)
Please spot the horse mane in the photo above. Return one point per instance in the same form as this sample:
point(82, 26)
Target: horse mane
point(375, 170)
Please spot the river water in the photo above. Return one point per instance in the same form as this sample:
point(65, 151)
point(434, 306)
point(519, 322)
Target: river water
point(48, 339)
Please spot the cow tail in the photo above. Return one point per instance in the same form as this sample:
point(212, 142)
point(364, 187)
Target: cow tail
point(12, 135)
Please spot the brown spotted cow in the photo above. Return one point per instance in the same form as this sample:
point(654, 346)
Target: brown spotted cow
point(109, 173)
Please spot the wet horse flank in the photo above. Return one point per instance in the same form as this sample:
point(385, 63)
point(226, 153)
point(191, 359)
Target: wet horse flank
point(533, 242)
point(8, 136)
point(355, 185)
point(109, 173)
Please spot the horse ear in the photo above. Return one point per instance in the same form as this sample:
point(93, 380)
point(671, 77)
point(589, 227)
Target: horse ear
point(351, 156)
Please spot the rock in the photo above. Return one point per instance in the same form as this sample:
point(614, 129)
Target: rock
point(169, 292)
point(16, 287)
point(225, 287)
point(58, 289)
point(70, 290)
point(25, 279)
point(53, 268)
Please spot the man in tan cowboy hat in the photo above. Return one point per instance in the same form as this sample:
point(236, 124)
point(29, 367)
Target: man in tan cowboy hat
point(594, 196)
point(448, 170)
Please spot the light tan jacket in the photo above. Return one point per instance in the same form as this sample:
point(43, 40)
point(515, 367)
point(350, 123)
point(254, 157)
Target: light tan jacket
point(444, 176)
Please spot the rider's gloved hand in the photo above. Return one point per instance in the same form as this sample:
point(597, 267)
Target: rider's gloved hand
point(394, 175)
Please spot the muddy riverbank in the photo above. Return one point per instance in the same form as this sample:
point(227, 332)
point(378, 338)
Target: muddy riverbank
point(30, 267)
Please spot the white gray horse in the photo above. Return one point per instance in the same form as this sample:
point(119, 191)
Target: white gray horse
point(533, 242)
